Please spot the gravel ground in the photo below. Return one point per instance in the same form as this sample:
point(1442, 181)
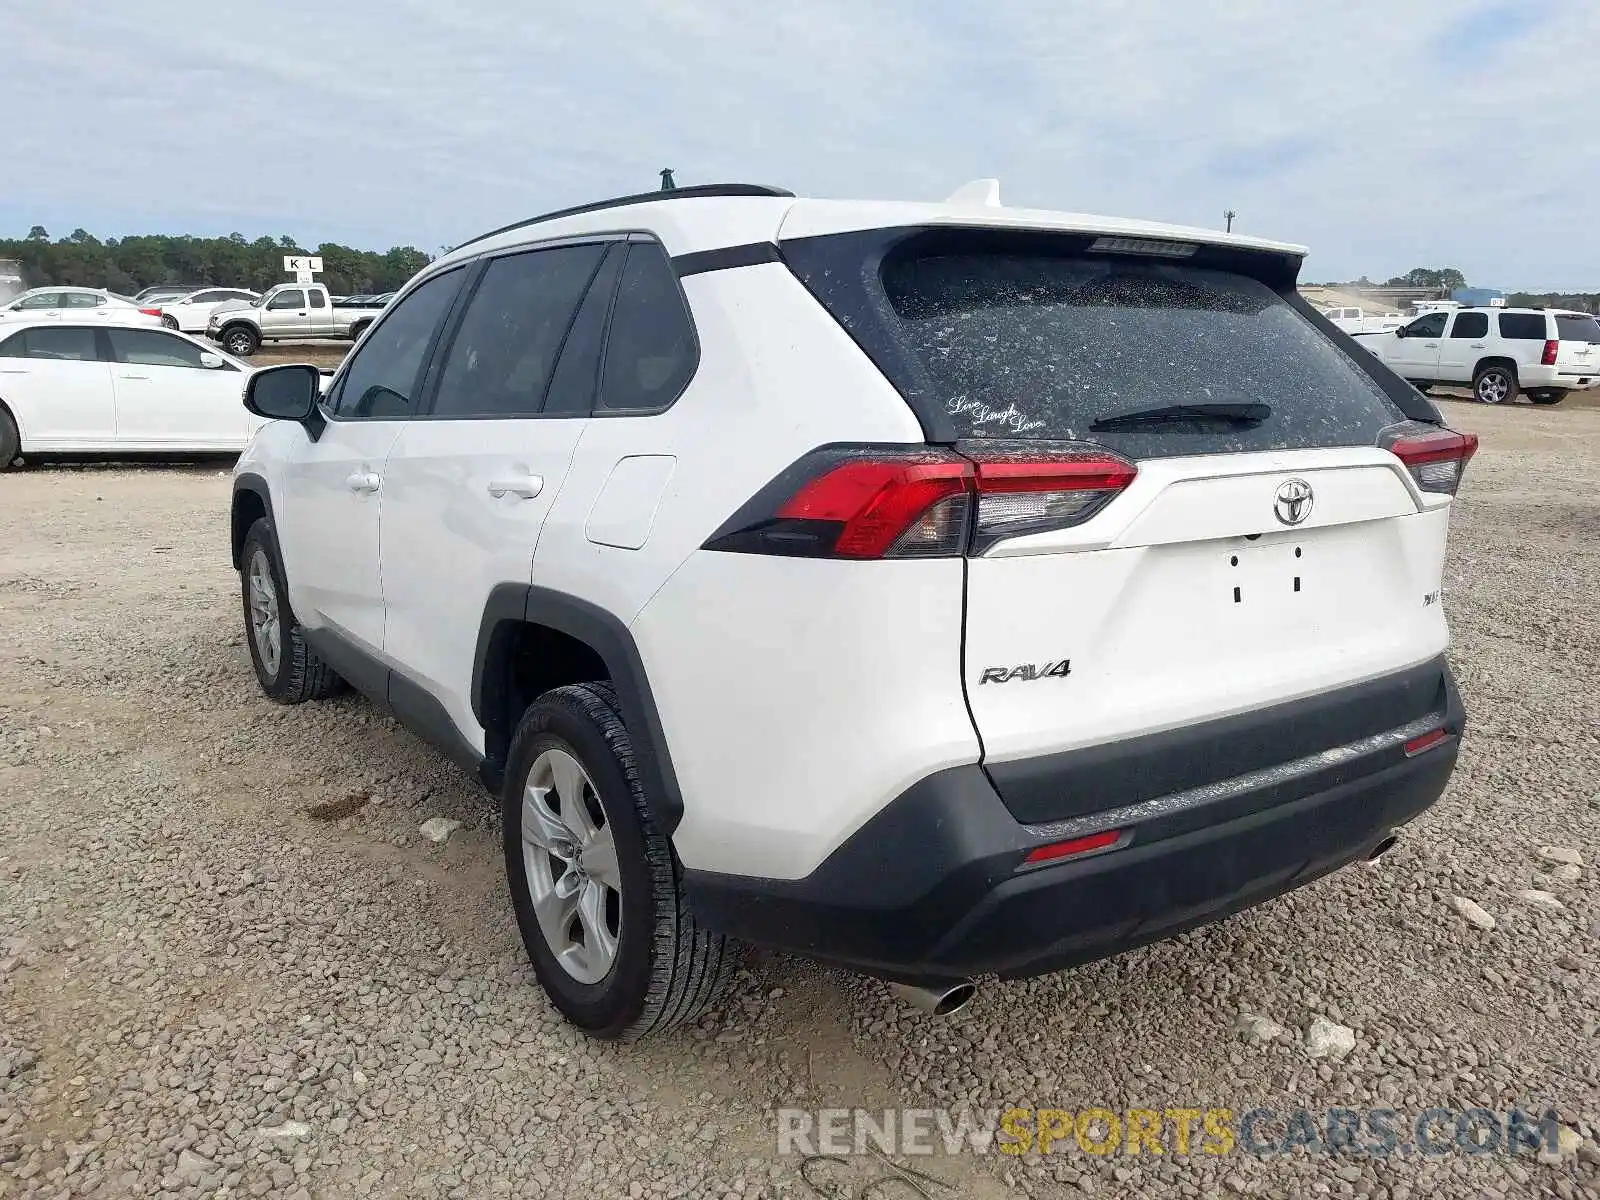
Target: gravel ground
point(230, 966)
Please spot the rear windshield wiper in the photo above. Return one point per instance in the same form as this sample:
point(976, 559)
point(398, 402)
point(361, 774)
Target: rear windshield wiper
point(1177, 414)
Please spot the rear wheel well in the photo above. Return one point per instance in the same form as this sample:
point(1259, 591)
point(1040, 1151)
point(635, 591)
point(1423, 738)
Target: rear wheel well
point(248, 508)
point(1485, 363)
point(523, 661)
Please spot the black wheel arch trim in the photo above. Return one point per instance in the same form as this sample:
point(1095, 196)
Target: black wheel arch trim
point(512, 604)
point(257, 486)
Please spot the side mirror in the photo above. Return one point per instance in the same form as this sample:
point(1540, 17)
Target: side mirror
point(286, 393)
point(210, 360)
point(1401, 332)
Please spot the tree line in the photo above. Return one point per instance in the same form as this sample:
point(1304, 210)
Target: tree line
point(125, 265)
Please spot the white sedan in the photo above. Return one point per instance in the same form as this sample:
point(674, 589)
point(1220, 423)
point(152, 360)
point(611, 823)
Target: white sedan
point(77, 303)
point(72, 387)
point(190, 313)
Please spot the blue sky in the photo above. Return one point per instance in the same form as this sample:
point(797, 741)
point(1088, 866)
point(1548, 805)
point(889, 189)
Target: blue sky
point(1383, 136)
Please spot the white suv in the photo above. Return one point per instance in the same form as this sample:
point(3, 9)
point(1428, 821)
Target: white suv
point(1497, 352)
point(938, 590)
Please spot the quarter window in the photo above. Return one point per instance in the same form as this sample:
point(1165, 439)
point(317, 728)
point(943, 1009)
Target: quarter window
point(651, 352)
point(380, 383)
point(1522, 327)
point(502, 356)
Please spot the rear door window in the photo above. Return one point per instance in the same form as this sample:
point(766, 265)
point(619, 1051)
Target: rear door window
point(1075, 347)
point(1470, 325)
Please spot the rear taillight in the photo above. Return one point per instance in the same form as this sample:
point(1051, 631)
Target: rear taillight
point(873, 502)
point(1551, 349)
point(1436, 458)
point(151, 312)
point(1031, 495)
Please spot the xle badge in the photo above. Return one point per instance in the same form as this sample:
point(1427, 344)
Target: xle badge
point(1027, 671)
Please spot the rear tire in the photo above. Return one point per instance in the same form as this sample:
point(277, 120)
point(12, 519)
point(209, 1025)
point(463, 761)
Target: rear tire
point(287, 669)
point(170, 321)
point(652, 967)
point(10, 440)
point(358, 329)
point(1495, 384)
point(1549, 396)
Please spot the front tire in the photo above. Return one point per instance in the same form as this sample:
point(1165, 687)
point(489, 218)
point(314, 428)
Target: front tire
point(1495, 384)
point(287, 669)
point(596, 887)
point(241, 341)
point(10, 441)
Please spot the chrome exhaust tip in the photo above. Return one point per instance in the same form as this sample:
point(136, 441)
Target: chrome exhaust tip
point(936, 1002)
point(1383, 847)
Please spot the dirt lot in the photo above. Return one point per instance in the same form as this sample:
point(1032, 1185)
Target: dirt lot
point(211, 986)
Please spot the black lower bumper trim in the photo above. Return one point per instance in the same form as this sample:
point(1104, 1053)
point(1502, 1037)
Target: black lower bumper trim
point(932, 889)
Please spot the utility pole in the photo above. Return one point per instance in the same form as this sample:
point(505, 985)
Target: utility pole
point(667, 183)
point(1229, 216)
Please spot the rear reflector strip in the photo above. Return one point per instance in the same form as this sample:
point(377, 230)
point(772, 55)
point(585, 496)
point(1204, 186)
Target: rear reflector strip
point(1426, 742)
point(1083, 845)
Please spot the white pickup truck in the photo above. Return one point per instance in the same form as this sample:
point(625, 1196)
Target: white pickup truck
point(290, 312)
point(1359, 320)
point(1497, 352)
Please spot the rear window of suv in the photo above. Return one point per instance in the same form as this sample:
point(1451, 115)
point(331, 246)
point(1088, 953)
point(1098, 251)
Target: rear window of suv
point(1046, 346)
point(1578, 329)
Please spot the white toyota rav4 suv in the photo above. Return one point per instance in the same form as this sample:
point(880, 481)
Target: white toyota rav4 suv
point(937, 590)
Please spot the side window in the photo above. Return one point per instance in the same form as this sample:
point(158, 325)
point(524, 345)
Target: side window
point(504, 352)
point(83, 300)
point(62, 344)
point(14, 346)
point(651, 352)
point(150, 348)
point(1430, 326)
point(318, 299)
point(42, 300)
point(1470, 325)
point(572, 387)
point(1522, 327)
point(209, 297)
point(380, 383)
point(290, 299)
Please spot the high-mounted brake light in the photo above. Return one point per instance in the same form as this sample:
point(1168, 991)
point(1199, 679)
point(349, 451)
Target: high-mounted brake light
point(1149, 246)
point(1551, 349)
point(871, 502)
point(1437, 458)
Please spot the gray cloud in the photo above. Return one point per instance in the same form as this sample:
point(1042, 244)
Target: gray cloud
point(1375, 133)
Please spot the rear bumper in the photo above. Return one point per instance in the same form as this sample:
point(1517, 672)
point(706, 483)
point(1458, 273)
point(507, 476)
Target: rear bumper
point(935, 889)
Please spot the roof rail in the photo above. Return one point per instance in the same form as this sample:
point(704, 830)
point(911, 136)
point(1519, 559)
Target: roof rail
point(692, 192)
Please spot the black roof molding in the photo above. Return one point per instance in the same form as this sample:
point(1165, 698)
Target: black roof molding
point(694, 192)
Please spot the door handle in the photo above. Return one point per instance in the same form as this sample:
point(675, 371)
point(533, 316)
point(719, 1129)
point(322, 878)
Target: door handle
point(133, 377)
point(13, 371)
point(363, 481)
point(1430, 345)
point(524, 487)
point(1479, 345)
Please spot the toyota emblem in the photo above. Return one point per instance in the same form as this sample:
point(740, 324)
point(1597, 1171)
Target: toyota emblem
point(1292, 504)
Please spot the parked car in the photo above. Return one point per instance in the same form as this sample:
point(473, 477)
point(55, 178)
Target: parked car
point(1497, 352)
point(1358, 320)
point(71, 387)
point(54, 303)
point(967, 641)
point(290, 312)
point(162, 292)
point(191, 312)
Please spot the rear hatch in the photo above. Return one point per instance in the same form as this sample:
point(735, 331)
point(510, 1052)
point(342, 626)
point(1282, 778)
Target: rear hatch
point(1578, 344)
point(1191, 504)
